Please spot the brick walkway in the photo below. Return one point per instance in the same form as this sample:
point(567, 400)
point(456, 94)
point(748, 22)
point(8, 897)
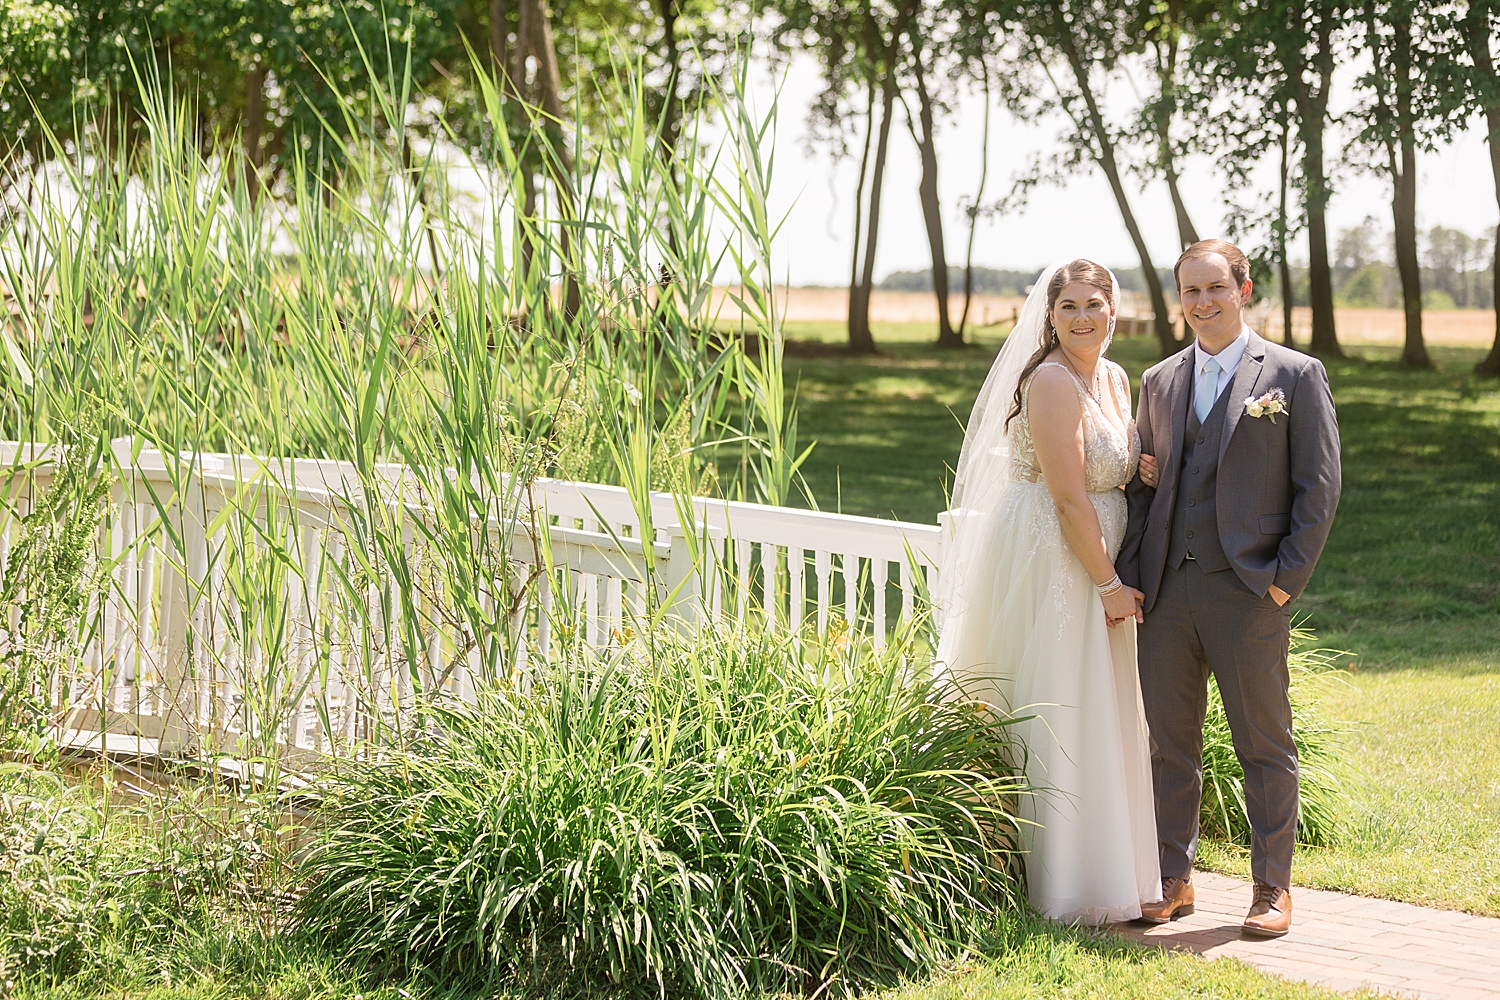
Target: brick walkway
point(1344, 942)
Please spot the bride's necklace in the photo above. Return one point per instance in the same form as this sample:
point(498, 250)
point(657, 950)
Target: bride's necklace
point(1092, 390)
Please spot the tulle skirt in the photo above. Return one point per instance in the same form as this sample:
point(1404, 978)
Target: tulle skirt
point(1033, 642)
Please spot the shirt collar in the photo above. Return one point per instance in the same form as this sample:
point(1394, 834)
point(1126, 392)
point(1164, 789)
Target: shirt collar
point(1228, 358)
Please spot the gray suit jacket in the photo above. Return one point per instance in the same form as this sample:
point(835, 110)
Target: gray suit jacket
point(1278, 482)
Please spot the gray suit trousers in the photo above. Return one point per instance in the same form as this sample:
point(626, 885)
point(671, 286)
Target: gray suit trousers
point(1206, 622)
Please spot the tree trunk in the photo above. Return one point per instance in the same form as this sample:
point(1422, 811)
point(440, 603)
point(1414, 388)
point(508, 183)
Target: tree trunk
point(1283, 264)
point(1491, 363)
point(519, 90)
point(859, 192)
point(255, 119)
point(1476, 31)
point(927, 190)
point(1313, 110)
point(558, 160)
point(1105, 154)
point(669, 107)
point(548, 79)
point(1404, 204)
point(1186, 234)
point(1404, 208)
point(1324, 339)
point(525, 11)
point(861, 340)
point(1167, 70)
point(497, 34)
point(984, 170)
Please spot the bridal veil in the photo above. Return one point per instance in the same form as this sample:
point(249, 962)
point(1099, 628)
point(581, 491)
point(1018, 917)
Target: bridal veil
point(983, 470)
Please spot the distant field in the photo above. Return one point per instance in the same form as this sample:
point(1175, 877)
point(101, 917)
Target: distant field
point(820, 314)
point(831, 305)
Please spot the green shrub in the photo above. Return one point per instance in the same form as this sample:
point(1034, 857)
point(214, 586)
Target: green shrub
point(703, 815)
point(89, 885)
point(1438, 299)
point(1322, 766)
point(52, 573)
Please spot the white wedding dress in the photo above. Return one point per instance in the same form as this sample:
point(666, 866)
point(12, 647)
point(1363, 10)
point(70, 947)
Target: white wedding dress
point(1026, 633)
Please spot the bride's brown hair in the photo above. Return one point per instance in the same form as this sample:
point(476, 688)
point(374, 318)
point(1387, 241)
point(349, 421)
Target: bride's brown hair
point(1082, 270)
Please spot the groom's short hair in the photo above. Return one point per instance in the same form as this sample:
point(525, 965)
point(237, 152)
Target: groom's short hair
point(1239, 264)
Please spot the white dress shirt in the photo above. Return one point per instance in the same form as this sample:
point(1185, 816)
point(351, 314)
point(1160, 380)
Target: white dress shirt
point(1228, 359)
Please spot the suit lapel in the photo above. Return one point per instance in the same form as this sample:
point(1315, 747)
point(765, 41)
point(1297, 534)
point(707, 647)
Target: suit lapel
point(1246, 377)
point(1178, 390)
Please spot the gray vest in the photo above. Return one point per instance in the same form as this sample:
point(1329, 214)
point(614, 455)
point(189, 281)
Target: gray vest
point(1195, 524)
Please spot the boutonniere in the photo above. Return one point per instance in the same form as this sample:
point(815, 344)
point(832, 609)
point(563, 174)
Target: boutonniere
point(1269, 405)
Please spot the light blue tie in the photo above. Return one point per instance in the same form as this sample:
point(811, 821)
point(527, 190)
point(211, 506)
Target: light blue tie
point(1208, 389)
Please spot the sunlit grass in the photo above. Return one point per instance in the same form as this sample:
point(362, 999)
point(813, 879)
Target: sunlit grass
point(1032, 959)
point(1427, 824)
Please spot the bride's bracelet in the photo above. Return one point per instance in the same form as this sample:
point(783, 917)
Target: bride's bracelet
point(1110, 586)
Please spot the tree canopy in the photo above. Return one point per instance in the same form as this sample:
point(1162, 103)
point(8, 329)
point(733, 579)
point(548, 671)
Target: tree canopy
point(1151, 88)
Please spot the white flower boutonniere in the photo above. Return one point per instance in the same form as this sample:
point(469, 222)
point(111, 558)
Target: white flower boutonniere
point(1269, 405)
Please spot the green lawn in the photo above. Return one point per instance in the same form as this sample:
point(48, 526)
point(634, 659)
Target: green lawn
point(1428, 827)
point(1028, 959)
point(1409, 583)
point(1036, 960)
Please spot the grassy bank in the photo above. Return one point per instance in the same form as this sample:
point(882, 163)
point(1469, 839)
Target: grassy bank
point(1409, 583)
point(183, 931)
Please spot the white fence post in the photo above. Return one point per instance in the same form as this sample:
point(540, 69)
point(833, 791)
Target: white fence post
point(184, 623)
point(689, 584)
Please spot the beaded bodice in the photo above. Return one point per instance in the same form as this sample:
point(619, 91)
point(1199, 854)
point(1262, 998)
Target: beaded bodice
point(1110, 455)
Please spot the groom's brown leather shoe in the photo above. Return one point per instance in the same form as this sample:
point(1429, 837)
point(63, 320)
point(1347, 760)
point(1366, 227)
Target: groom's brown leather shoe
point(1176, 901)
point(1271, 914)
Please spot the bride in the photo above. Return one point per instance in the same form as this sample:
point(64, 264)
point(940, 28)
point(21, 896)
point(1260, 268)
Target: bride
point(1034, 620)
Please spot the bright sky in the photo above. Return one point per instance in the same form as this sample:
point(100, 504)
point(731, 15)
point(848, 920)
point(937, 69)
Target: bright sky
point(1456, 189)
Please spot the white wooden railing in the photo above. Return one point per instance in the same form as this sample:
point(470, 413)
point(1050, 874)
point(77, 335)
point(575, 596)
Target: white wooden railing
point(176, 651)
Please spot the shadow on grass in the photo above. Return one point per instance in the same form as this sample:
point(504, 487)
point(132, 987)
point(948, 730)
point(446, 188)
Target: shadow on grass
point(1411, 575)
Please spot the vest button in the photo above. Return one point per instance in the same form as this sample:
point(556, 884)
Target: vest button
point(1192, 503)
point(1200, 438)
point(1195, 472)
point(1190, 534)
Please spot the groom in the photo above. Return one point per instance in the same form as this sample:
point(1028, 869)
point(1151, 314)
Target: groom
point(1247, 444)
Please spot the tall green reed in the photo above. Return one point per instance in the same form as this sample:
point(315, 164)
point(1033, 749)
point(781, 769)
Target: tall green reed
point(388, 317)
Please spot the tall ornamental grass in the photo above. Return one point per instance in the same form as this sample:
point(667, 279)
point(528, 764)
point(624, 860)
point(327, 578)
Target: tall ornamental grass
point(701, 815)
point(389, 303)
